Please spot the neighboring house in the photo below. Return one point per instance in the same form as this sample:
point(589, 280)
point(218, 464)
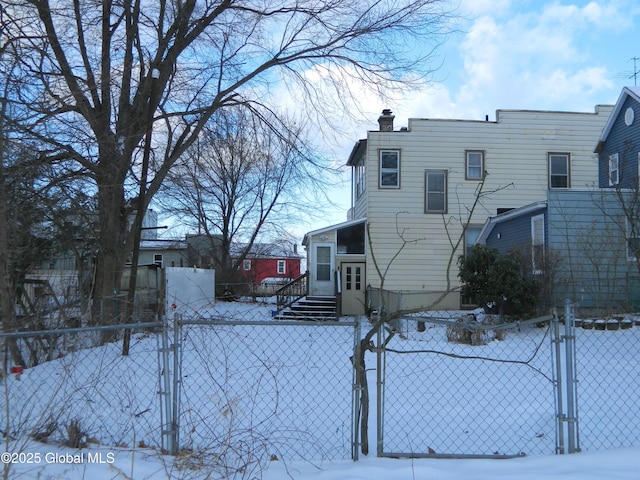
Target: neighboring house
point(163, 253)
point(618, 145)
point(583, 237)
point(576, 243)
point(268, 265)
point(413, 188)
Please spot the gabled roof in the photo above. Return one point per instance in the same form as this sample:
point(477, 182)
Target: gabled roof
point(633, 92)
point(491, 222)
point(265, 250)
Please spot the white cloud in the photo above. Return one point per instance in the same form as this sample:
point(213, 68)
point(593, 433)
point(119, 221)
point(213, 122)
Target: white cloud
point(535, 59)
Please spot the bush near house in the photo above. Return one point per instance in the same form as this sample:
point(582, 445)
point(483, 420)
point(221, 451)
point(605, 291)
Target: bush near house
point(498, 282)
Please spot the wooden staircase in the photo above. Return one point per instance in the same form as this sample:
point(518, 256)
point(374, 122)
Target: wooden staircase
point(311, 308)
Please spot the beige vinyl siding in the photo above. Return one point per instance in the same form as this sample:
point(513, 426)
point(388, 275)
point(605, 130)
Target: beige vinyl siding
point(516, 150)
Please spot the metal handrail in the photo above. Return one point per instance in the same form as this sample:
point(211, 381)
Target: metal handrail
point(292, 291)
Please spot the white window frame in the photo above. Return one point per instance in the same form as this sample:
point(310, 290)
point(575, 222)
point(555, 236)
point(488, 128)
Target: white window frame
point(614, 170)
point(386, 170)
point(246, 264)
point(443, 193)
point(552, 175)
point(282, 267)
point(158, 259)
point(468, 166)
point(537, 269)
point(360, 179)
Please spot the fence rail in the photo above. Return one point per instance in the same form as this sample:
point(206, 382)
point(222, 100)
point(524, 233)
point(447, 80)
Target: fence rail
point(465, 390)
point(67, 386)
point(238, 390)
point(263, 389)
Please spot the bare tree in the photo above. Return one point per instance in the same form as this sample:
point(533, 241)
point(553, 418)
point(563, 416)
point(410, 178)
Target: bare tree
point(242, 180)
point(92, 86)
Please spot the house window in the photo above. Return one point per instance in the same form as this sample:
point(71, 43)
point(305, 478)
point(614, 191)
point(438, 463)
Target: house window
point(323, 264)
point(633, 240)
point(537, 243)
point(614, 170)
point(157, 259)
point(351, 239)
point(389, 169)
point(436, 191)
point(470, 237)
point(282, 267)
point(559, 175)
point(474, 165)
point(353, 278)
point(246, 264)
point(360, 179)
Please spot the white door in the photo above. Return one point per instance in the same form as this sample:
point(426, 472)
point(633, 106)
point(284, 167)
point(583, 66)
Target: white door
point(323, 270)
point(353, 279)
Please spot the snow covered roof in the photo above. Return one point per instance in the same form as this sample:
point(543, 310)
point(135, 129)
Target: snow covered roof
point(162, 244)
point(266, 250)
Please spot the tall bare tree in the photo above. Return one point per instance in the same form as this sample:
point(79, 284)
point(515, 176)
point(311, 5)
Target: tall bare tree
point(93, 88)
point(242, 180)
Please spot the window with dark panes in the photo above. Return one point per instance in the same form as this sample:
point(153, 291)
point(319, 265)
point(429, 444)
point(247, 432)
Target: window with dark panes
point(389, 169)
point(559, 170)
point(351, 239)
point(436, 191)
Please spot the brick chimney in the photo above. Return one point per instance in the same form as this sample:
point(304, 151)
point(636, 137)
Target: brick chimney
point(386, 121)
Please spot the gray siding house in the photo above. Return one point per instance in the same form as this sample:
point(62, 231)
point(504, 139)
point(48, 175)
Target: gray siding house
point(576, 243)
point(585, 240)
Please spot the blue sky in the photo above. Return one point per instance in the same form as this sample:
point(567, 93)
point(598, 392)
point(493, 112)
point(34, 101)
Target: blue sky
point(511, 54)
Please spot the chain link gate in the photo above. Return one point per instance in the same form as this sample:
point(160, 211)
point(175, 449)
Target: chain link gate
point(466, 389)
point(598, 371)
point(246, 391)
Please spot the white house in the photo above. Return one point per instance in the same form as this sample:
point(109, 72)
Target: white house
point(414, 191)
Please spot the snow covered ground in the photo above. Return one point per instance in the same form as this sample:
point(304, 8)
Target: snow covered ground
point(622, 464)
point(137, 461)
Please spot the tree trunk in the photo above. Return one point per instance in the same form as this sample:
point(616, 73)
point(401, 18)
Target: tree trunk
point(112, 251)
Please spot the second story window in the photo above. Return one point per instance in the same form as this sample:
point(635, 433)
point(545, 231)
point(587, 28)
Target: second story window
point(435, 191)
point(614, 170)
point(389, 169)
point(474, 165)
point(282, 267)
point(559, 173)
point(246, 264)
point(361, 179)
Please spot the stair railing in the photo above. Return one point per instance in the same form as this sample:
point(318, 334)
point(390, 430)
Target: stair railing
point(292, 291)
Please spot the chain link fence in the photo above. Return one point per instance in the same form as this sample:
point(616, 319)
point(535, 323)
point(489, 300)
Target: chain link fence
point(254, 391)
point(607, 371)
point(465, 389)
point(68, 386)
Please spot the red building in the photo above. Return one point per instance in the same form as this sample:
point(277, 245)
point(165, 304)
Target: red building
point(270, 265)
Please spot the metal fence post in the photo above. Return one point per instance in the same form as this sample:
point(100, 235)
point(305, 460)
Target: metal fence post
point(166, 413)
point(556, 341)
point(569, 322)
point(357, 394)
point(177, 379)
point(380, 391)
